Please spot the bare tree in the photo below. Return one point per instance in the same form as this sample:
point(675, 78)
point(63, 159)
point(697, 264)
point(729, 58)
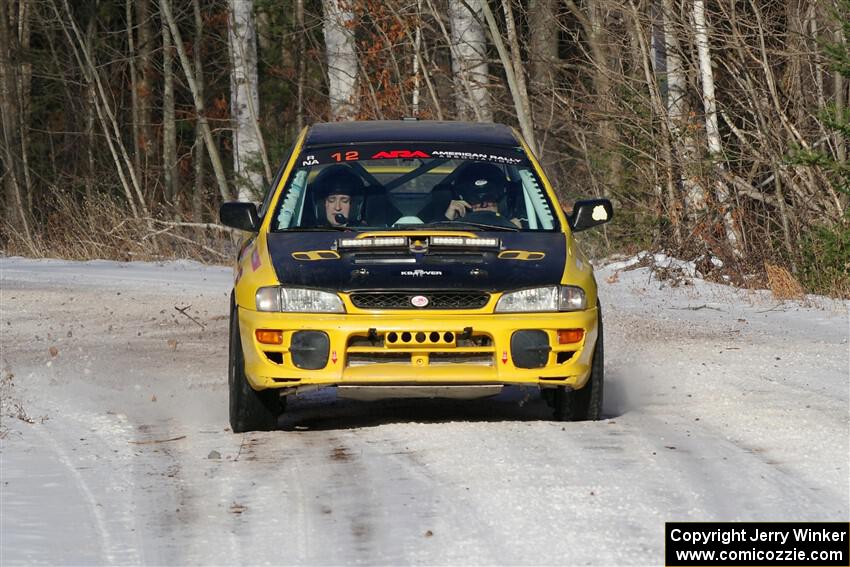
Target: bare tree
point(106, 115)
point(469, 60)
point(678, 111)
point(248, 145)
point(171, 174)
point(199, 153)
point(593, 23)
point(526, 120)
point(841, 93)
point(513, 73)
point(712, 131)
point(212, 149)
point(14, 196)
point(302, 64)
point(543, 42)
point(341, 59)
point(135, 112)
point(146, 78)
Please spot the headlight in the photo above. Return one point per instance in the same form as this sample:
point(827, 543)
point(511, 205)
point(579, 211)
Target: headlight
point(293, 299)
point(550, 298)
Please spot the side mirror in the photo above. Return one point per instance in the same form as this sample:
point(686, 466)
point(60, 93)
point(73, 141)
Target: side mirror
point(590, 213)
point(239, 215)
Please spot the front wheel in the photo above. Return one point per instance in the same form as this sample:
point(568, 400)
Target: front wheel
point(250, 410)
point(585, 404)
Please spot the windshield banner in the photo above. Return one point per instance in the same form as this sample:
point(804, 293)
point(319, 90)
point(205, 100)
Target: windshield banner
point(413, 151)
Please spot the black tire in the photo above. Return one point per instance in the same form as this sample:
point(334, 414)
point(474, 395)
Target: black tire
point(564, 403)
point(585, 404)
point(250, 410)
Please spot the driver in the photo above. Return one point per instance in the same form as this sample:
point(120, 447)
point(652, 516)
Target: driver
point(480, 187)
point(339, 196)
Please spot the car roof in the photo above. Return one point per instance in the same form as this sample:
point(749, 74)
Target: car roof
point(331, 133)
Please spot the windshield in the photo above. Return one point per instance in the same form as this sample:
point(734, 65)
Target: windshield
point(396, 186)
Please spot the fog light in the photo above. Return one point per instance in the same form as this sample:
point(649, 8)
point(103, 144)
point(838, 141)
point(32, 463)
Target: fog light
point(569, 336)
point(269, 336)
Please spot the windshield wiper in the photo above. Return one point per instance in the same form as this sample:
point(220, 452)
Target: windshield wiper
point(460, 225)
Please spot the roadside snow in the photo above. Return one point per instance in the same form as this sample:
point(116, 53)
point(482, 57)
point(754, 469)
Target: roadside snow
point(721, 404)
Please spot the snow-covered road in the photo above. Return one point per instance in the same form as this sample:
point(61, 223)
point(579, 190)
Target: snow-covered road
point(720, 405)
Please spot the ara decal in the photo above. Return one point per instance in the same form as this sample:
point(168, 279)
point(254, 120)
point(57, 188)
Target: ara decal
point(333, 357)
point(504, 357)
point(400, 154)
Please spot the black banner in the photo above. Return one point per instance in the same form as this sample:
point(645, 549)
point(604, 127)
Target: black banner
point(391, 151)
point(763, 544)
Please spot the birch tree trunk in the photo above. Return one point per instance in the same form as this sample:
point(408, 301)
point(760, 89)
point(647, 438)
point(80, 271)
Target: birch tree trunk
point(417, 45)
point(249, 156)
point(712, 131)
point(199, 148)
point(341, 60)
point(171, 175)
point(220, 177)
point(469, 60)
point(678, 111)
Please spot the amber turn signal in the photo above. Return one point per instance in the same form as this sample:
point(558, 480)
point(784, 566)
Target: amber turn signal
point(568, 336)
point(269, 337)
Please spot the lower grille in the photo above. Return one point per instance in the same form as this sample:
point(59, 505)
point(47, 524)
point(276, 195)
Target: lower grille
point(436, 300)
point(420, 348)
point(435, 358)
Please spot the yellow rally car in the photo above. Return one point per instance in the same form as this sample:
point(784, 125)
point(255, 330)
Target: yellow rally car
point(408, 258)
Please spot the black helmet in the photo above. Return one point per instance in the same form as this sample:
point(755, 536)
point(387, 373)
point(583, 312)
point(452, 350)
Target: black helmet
point(338, 180)
point(481, 183)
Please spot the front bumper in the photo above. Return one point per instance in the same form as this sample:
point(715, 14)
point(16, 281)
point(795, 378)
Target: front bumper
point(363, 349)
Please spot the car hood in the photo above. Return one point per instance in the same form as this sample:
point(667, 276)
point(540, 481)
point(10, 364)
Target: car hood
point(311, 259)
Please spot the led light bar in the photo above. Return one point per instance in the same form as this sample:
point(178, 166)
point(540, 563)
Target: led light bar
point(375, 242)
point(462, 241)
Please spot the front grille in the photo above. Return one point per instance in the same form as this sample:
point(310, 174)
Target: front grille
point(436, 300)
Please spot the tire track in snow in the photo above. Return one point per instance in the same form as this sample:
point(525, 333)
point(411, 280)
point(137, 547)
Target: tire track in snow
point(114, 552)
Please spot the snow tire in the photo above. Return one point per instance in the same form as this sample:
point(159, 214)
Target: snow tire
point(250, 410)
point(585, 404)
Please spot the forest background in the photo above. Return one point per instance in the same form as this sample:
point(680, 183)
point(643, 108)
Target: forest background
point(719, 128)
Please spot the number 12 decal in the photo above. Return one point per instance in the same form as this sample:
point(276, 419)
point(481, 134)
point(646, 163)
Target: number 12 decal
point(348, 156)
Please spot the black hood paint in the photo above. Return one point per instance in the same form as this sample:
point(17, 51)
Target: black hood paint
point(483, 272)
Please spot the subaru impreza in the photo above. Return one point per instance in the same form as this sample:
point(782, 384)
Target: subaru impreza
point(412, 258)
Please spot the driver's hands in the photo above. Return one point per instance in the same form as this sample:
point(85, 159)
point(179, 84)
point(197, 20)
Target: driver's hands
point(456, 209)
